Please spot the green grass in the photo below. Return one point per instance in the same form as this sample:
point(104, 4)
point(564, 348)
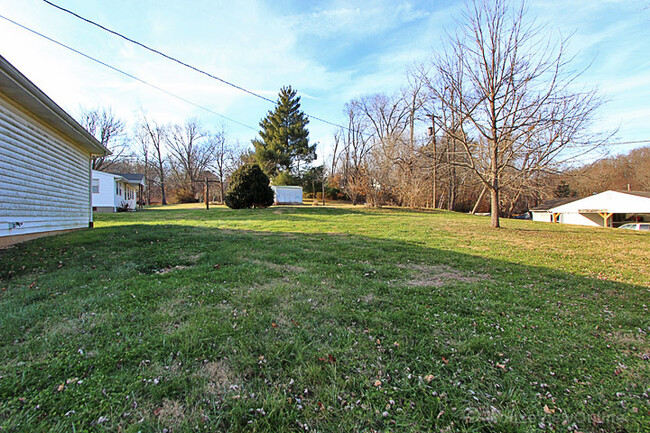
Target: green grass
point(325, 319)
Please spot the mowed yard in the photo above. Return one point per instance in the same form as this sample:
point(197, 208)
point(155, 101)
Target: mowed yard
point(327, 319)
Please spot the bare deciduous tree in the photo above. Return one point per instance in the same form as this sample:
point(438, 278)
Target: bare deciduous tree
point(506, 96)
point(226, 156)
point(108, 129)
point(144, 149)
point(191, 154)
point(155, 135)
point(354, 154)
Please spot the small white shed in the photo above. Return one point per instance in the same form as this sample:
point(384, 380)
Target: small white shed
point(284, 194)
point(45, 161)
point(114, 190)
point(607, 209)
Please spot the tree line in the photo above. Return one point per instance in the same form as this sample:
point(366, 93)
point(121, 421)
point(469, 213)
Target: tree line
point(174, 158)
point(493, 122)
point(488, 122)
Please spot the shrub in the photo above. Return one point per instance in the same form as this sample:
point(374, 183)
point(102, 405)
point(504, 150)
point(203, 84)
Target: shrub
point(123, 207)
point(184, 195)
point(249, 188)
point(333, 193)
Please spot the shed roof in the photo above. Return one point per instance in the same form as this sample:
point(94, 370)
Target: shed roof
point(286, 186)
point(17, 88)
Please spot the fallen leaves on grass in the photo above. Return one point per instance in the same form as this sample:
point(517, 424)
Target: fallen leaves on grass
point(329, 359)
point(440, 275)
point(548, 410)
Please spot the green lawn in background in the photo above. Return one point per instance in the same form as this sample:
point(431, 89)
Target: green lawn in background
point(325, 319)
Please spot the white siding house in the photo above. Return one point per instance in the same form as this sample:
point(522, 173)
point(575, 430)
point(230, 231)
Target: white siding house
point(543, 212)
point(45, 160)
point(607, 209)
point(287, 194)
point(112, 191)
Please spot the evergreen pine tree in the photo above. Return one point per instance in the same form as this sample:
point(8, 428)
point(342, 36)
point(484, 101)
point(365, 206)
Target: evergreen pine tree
point(284, 138)
point(563, 190)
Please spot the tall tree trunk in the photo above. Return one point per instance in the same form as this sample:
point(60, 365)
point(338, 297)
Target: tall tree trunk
point(494, 207)
point(162, 184)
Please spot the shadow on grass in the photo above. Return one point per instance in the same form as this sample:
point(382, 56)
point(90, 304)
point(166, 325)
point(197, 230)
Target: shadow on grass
point(339, 333)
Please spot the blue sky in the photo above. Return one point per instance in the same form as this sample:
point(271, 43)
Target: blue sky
point(330, 51)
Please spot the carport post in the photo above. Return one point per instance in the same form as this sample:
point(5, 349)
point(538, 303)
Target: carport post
point(606, 216)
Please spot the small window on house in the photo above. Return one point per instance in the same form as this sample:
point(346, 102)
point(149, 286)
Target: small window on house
point(95, 186)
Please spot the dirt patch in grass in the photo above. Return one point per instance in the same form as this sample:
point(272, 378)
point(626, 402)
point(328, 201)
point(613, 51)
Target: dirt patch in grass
point(65, 327)
point(440, 275)
point(169, 269)
point(73, 326)
point(194, 258)
point(218, 376)
point(170, 413)
point(632, 343)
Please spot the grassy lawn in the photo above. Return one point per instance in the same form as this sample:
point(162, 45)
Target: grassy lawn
point(325, 319)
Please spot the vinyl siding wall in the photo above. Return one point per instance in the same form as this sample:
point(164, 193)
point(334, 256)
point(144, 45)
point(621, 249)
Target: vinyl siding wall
point(44, 179)
point(106, 195)
point(542, 216)
point(133, 200)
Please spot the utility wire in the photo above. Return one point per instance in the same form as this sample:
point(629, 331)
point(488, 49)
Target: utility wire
point(627, 142)
point(133, 77)
point(174, 59)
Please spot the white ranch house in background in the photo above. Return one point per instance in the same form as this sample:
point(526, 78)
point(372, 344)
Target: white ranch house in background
point(45, 161)
point(114, 190)
point(284, 194)
point(607, 209)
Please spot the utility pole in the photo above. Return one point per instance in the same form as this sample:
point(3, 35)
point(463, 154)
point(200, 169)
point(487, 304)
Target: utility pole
point(432, 132)
point(206, 190)
point(207, 194)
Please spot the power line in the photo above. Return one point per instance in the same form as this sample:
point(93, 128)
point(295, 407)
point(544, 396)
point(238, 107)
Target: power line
point(174, 59)
point(627, 142)
point(133, 77)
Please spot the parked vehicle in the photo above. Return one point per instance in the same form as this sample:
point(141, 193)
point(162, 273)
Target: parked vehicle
point(636, 226)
